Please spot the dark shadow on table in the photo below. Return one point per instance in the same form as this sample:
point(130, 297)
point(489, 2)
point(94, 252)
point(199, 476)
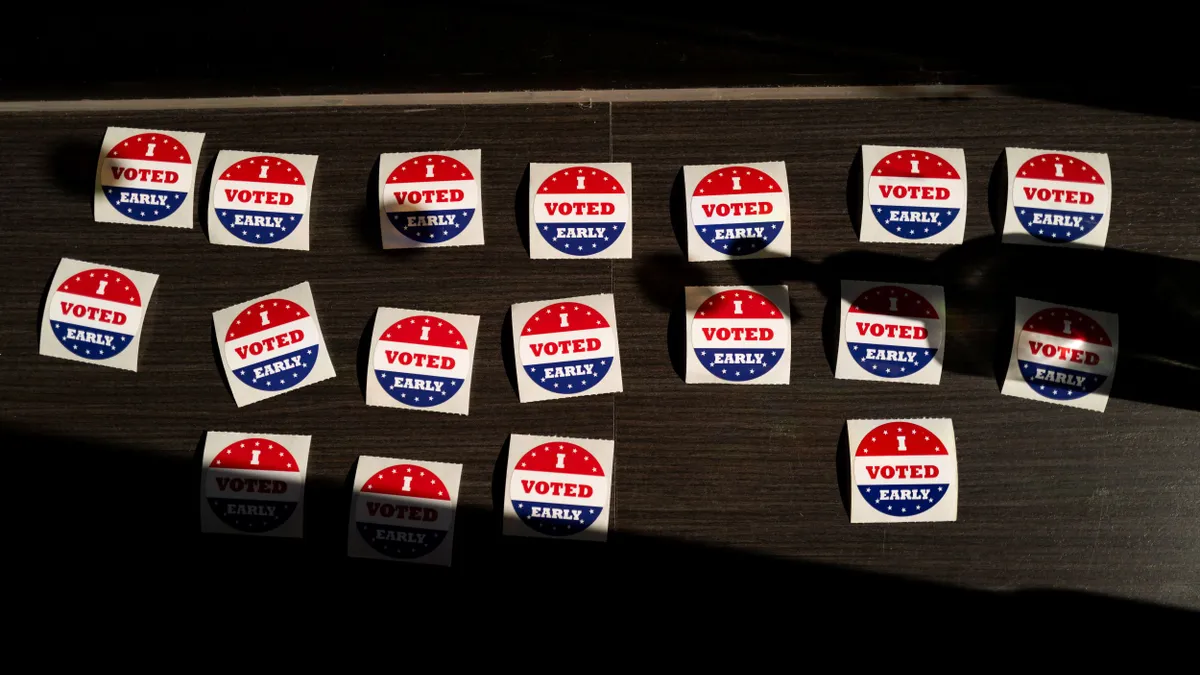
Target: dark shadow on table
point(122, 529)
point(1154, 296)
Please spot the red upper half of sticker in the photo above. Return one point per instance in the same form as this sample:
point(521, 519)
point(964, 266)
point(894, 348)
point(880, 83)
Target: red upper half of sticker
point(549, 319)
point(1060, 166)
point(738, 304)
point(560, 457)
point(594, 182)
point(427, 168)
point(882, 299)
point(278, 170)
point(425, 330)
point(900, 439)
point(407, 480)
point(103, 284)
point(154, 147)
point(915, 164)
point(256, 454)
point(735, 180)
point(265, 315)
point(1068, 323)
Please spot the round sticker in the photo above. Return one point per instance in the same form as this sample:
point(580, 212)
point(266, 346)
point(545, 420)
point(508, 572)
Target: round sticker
point(251, 486)
point(96, 313)
point(431, 199)
point(1059, 198)
point(1064, 354)
point(558, 489)
point(902, 469)
point(567, 348)
point(915, 194)
point(272, 345)
point(421, 360)
point(581, 210)
point(739, 335)
point(404, 511)
point(261, 200)
point(738, 210)
point(146, 177)
point(892, 331)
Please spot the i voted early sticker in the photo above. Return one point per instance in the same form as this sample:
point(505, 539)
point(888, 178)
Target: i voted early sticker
point(738, 335)
point(580, 210)
point(1062, 355)
point(1057, 197)
point(891, 332)
point(430, 199)
point(272, 345)
point(566, 347)
point(253, 484)
point(558, 487)
point(146, 177)
point(261, 199)
point(94, 314)
point(422, 360)
point(902, 471)
point(913, 195)
point(403, 510)
point(737, 211)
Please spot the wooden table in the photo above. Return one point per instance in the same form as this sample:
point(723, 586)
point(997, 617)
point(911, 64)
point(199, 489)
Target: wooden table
point(712, 482)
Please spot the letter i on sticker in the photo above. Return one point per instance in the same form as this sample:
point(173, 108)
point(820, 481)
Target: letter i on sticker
point(403, 510)
point(272, 345)
point(891, 332)
point(422, 360)
point(1063, 355)
point(253, 484)
point(737, 211)
point(913, 195)
point(902, 471)
point(580, 210)
point(738, 335)
point(146, 177)
point(94, 314)
point(566, 347)
point(430, 199)
point(261, 199)
point(1057, 198)
point(558, 487)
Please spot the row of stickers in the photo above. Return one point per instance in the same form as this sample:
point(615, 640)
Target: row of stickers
point(902, 470)
point(569, 347)
point(734, 211)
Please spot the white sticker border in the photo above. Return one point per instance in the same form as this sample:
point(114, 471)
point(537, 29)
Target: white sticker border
point(322, 370)
point(696, 373)
point(870, 231)
point(603, 450)
point(467, 324)
point(392, 239)
point(846, 369)
point(540, 249)
point(698, 251)
point(527, 390)
point(104, 212)
point(214, 443)
point(1015, 233)
point(298, 240)
point(946, 510)
point(450, 475)
point(48, 344)
point(1015, 385)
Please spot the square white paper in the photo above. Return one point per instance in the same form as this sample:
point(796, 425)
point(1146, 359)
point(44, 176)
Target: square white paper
point(581, 210)
point(1057, 198)
point(94, 314)
point(737, 211)
point(429, 199)
point(891, 332)
point(272, 345)
point(146, 177)
point(403, 510)
point(261, 199)
point(913, 195)
point(253, 484)
point(738, 335)
point(566, 347)
point(422, 360)
point(1075, 360)
point(902, 471)
point(558, 487)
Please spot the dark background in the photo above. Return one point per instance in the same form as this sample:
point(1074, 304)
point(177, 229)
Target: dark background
point(726, 497)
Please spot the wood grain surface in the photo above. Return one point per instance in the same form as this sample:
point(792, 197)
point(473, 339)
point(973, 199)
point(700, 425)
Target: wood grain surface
point(709, 479)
